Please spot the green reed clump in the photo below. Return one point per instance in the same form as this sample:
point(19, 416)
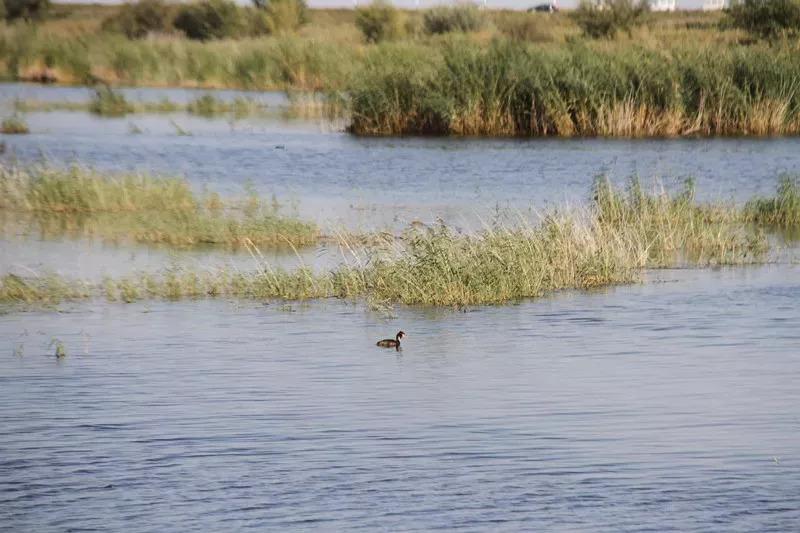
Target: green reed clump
point(668, 229)
point(14, 126)
point(144, 209)
point(782, 210)
point(108, 102)
point(43, 290)
point(208, 105)
point(445, 19)
point(512, 89)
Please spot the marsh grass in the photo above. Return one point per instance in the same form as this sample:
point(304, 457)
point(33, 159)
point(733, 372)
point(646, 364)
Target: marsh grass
point(782, 210)
point(80, 202)
point(578, 90)
point(108, 102)
point(611, 241)
point(14, 126)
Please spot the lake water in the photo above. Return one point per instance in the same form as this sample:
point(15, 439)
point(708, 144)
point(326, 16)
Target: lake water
point(670, 405)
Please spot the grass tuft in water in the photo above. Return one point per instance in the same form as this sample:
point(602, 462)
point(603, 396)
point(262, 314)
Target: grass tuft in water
point(14, 126)
point(108, 102)
point(144, 209)
point(609, 242)
point(782, 210)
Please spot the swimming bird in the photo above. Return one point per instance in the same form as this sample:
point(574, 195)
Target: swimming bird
point(392, 343)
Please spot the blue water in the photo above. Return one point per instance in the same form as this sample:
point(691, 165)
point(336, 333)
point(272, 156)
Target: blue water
point(669, 405)
point(666, 406)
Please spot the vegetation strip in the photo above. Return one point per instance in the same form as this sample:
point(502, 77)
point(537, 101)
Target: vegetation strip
point(618, 71)
point(609, 242)
point(144, 209)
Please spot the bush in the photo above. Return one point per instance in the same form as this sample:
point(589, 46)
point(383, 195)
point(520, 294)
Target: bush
point(380, 21)
point(210, 19)
point(449, 19)
point(138, 19)
point(283, 16)
point(525, 27)
point(767, 19)
point(25, 9)
point(609, 17)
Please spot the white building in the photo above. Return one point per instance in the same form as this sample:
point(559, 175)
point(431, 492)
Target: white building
point(663, 5)
point(714, 5)
point(655, 5)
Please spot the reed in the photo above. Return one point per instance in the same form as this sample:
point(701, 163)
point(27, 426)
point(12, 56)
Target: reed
point(146, 209)
point(782, 210)
point(14, 126)
point(517, 90)
point(609, 242)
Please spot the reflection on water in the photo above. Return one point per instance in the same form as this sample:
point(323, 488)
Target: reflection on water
point(665, 406)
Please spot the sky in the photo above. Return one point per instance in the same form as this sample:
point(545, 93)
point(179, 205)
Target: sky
point(506, 4)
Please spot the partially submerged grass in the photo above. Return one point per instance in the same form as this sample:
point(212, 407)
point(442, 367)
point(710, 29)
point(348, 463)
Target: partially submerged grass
point(782, 210)
point(40, 290)
point(607, 243)
point(14, 126)
point(144, 209)
point(509, 89)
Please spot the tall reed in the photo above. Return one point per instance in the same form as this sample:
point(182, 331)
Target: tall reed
point(144, 209)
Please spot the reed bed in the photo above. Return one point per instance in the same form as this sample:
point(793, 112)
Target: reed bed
point(578, 90)
point(609, 242)
point(14, 126)
point(144, 209)
point(781, 211)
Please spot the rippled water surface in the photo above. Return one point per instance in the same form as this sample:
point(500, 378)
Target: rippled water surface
point(670, 405)
point(367, 182)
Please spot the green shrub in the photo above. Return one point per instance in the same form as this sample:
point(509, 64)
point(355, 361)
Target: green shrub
point(609, 17)
point(767, 19)
point(138, 19)
point(25, 9)
point(450, 19)
point(380, 21)
point(210, 19)
point(525, 27)
point(285, 16)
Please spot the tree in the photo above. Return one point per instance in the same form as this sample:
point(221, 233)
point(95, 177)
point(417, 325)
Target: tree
point(210, 19)
point(768, 19)
point(25, 9)
point(379, 21)
point(606, 18)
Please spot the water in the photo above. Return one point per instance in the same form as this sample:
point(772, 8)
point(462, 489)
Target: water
point(367, 183)
point(669, 405)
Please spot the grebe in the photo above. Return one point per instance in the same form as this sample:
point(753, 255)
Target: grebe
point(392, 343)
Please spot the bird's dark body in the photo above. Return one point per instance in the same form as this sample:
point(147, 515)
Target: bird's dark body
point(392, 343)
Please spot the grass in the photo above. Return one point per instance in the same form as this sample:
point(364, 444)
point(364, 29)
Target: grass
point(578, 90)
point(611, 241)
point(14, 126)
point(781, 211)
point(144, 209)
point(510, 74)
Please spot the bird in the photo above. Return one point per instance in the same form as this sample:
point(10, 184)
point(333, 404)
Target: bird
point(392, 343)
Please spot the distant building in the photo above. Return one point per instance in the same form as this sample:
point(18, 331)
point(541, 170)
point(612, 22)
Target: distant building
point(714, 5)
point(663, 5)
point(655, 5)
